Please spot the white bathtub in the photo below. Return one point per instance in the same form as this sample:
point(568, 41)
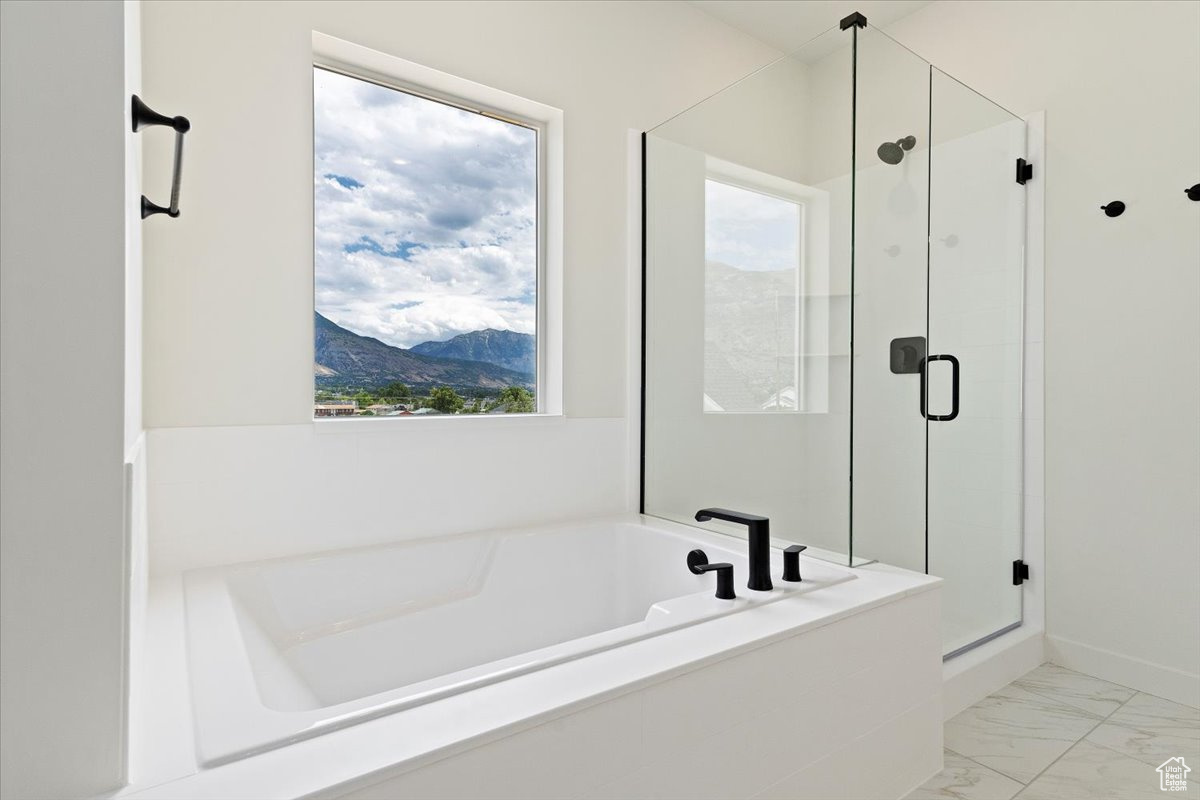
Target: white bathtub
point(287, 649)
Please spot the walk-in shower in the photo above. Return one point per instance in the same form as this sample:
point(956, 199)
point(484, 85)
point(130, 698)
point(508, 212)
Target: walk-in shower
point(833, 326)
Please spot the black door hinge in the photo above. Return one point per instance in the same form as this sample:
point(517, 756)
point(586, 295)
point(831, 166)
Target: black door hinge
point(1020, 572)
point(1024, 171)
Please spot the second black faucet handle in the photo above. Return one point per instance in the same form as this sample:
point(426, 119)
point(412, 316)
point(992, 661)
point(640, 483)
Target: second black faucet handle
point(791, 562)
point(697, 562)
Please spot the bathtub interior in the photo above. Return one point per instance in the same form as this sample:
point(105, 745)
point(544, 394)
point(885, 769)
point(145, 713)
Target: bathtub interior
point(288, 649)
point(337, 628)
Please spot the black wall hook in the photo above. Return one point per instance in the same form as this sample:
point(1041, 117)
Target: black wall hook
point(1193, 193)
point(1114, 209)
point(142, 117)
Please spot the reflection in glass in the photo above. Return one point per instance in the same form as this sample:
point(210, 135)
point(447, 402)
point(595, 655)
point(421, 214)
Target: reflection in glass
point(751, 300)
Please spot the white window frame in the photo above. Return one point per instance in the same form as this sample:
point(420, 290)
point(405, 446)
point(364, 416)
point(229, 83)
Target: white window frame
point(356, 61)
point(814, 249)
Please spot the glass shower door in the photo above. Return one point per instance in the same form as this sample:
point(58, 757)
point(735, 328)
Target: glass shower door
point(974, 367)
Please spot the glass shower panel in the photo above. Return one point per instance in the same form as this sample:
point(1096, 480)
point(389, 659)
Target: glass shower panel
point(891, 204)
point(976, 290)
point(747, 301)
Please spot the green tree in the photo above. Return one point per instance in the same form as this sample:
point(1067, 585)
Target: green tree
point(445, 400)
point(363, 399)
point(396, 391)
point(518, 400)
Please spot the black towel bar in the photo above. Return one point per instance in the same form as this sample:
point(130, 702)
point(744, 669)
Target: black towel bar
point(144, 116)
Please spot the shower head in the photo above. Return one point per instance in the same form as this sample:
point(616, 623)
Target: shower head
point(893, 152)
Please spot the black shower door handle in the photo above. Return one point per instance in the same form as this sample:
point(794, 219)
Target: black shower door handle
point(954, 367)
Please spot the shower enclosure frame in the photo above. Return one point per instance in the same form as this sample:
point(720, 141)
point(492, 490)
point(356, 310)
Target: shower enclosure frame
point(852, 24)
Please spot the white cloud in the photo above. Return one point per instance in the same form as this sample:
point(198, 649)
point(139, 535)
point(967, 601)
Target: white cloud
point(425, 215)
point(749, 230)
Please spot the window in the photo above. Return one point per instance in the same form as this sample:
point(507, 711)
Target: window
point(433, 259)
point(752, 300)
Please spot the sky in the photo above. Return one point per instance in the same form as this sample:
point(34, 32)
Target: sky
point(748, 230)
point(425, 215)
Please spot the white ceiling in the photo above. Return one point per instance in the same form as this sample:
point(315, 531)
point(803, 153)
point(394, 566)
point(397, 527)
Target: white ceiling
point(788, 24)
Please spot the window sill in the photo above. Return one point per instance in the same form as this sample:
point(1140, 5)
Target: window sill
point(390, 425)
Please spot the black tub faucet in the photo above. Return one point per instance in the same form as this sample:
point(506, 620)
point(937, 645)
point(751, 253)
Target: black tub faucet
point(760, 543)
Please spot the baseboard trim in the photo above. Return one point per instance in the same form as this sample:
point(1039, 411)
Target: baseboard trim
point(1145, 676)
point(972, 676)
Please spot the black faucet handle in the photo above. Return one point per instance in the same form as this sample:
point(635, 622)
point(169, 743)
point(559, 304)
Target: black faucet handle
point(791, 562)
point(697, 562)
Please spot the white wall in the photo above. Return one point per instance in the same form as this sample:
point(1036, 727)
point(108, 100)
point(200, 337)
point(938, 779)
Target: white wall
point(237, 468)
point(63, 129)
point(133, 232)
point(136, 467)
point(220, 495)
point(1118, 82)
point(229, 284)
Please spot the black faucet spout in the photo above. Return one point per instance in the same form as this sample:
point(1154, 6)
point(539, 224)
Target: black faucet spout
point(760, 543)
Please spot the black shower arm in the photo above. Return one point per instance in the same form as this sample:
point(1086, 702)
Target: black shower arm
point(144, 116)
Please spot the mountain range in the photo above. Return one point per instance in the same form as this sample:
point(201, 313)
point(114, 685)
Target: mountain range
point(343, 357)
point(508, 349)
point(750, 319)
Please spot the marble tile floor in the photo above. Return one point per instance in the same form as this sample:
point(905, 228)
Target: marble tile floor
point(1055, 734)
